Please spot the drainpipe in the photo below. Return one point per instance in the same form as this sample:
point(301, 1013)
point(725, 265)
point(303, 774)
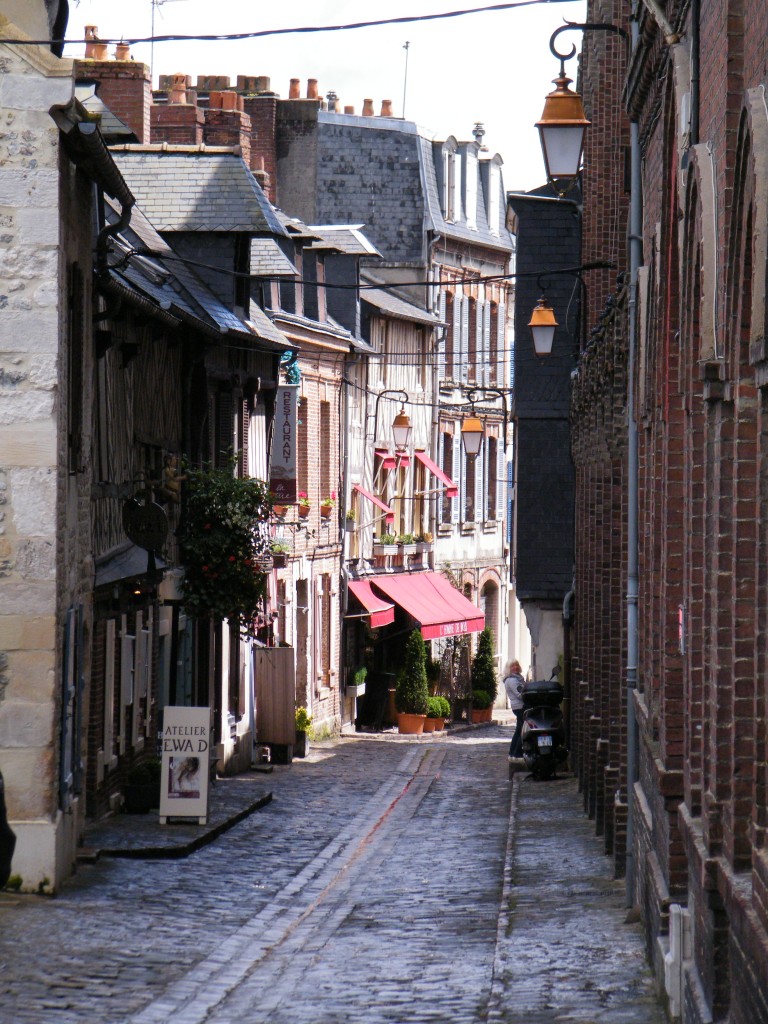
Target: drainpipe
point(635, 259)
point(695, 68)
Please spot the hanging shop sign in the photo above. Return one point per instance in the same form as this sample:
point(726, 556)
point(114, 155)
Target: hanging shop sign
point(283, 463)
point(186, 757)
point(146, 524)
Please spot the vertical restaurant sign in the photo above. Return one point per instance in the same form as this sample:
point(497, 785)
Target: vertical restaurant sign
point(185, 763)
point(283, 461)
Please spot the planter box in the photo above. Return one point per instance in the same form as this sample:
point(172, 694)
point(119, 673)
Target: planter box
point(411, 725)
point(408, 549)
point(280, 559)
point(356, 691)
point(385, 549)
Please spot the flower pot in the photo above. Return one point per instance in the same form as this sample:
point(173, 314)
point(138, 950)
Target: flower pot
point(301, 746)
point(280, 510)
point(438, 724)
point(430, 724)
point(325, 511)
point(410, 725)
point(356, 691)
point(480, 715)
point(279, 559)
point(303, 511)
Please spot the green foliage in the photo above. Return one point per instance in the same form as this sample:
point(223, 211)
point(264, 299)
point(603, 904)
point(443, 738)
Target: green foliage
point(483, 668)
point(359, 676)
point(438, 707)
point(222, 544)
point(481, 700)
point(14, 883)
point(280, 547)
point(387, 538)
point(433, 669)
point(405, 538)
point(146, 773)
point(303, 720)
point(412, 693)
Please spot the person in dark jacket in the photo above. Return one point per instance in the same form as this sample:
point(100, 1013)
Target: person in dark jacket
point(7, 839)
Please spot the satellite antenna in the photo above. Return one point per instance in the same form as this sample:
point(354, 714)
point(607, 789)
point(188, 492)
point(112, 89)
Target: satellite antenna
point(406, 47)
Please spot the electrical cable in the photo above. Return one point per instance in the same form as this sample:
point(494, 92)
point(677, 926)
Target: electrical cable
point(306, 29)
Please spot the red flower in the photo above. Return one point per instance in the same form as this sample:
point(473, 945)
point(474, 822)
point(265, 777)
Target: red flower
point(231, 558)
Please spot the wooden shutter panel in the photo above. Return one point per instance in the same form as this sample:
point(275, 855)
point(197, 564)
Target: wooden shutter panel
point(464, 359)
point(458, 308)
point(441, 308)
point(456, 476)
point(486, 364)
point(245, 434)
point(501, 480)
point(503, 378)
point(477, 371)
point(481, 494)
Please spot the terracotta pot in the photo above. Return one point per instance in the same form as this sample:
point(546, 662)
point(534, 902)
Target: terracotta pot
point(325, 511)
point(279, 510)
point(411, 725)
point(303, 511)
point(480, 715)
point(439, 724)
point(430, 724)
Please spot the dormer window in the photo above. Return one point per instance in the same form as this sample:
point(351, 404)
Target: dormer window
point(451, 196)
point(470, 184)
point(493, 208)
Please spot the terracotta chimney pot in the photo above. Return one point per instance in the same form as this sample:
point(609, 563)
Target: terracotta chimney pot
point(294, 93)
point(367, 108)
point(349, 110)
point(386, 108)
point(178, 93)
point(311, 88)
point(91, 35)
point(122, 51)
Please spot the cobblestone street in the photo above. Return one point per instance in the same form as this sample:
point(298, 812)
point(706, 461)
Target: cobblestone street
point(386, 881)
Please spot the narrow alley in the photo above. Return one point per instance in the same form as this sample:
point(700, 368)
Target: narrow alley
point(386, 881)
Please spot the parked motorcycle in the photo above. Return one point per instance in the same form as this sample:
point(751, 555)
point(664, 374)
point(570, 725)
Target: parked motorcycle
point(543, 732)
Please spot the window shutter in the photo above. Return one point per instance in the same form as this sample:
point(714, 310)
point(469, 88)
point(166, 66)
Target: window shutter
point(503, 378)
point(463, 367)
point(501, 480)
point(456, 476)
point(245, 435)
point(478, 372)
point(441, 343)
point(481, 494)
point(486, 343)
point(458, 308)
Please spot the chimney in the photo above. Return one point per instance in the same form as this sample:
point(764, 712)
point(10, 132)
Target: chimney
point(124, 86)
point(178, 90)
point(262, 111)
point(227, 124)
point(386, 108)
point(294, 93)
point(312, 89)
point(177, 122)
point(367, 108)
point(349, 110)
point(122, 51)
point(333, 101)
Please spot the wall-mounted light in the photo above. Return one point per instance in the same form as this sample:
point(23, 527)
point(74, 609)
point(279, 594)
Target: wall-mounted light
point(561, 133)
point(402, 430)
point(472, 434)
point(543, 324)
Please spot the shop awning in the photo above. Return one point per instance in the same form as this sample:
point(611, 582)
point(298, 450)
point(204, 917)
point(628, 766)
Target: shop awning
point(389, 515)
point(381, 612)
point(429, 598)
point(451, 490)
point(387, 461)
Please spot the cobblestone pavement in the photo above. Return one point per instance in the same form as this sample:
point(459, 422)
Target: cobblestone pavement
point(386, 881)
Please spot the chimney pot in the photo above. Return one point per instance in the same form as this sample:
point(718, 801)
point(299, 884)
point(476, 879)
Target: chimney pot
point(367, 108)
point(349, 110)
point(295, 90)
point(311, 88)
point(178, 90)
point(386, 108)
point(91, 36)
point(122, 51)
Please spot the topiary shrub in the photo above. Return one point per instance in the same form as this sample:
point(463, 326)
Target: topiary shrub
point(481, 700)
point(412, 692)
point(483, 668)
point(438, 707)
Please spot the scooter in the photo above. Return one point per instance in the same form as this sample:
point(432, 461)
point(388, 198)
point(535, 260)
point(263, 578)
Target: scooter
point(543, 732)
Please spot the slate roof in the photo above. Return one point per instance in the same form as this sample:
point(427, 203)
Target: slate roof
point(383, 172)
point(110, 126)
point(196, 188)
point(172, 284)
point(346, 238)
point(269, 260)
point(401, 309)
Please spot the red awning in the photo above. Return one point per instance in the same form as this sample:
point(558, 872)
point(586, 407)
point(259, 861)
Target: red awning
point(389, 515)
point(381, 612)
point(451, 490)
point(387, 461)
point(429, 598)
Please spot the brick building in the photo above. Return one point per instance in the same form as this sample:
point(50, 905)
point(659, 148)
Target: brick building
point(672, 757)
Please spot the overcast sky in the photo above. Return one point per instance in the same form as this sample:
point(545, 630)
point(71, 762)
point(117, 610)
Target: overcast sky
point(492, 67)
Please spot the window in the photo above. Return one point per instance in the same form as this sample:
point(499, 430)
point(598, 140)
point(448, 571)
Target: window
point(492, 449)
point(450, 312)
point(447, 467)
point(472, 333)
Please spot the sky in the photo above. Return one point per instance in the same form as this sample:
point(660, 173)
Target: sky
point(493, 67)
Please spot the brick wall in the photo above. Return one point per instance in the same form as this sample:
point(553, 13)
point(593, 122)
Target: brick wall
point(125, 87)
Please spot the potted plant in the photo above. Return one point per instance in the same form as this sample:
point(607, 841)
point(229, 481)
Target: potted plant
point(349, 520)
point(141, 791)
point(280, 551)
point(327, 505)
point(482, 706)
point(357, 687)
point(483, 668)
point(438, 709)
point(407, 543)
point(411, 693)
point(386, 544)
point(304, 504)
point(303, 723)
point(279, 509)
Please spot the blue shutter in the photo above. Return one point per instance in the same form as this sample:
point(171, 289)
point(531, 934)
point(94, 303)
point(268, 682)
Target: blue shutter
point(458, 306)
point(501, 480)
point(503, 377)
point(463, 365)
point(441, 343)
point(456, 476)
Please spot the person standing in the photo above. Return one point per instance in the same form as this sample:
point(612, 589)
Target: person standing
point(514, 682)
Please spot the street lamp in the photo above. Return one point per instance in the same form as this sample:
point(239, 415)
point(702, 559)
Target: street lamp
point(561, 131)
point(402, 430)
point(472, 434)
point(543, 324)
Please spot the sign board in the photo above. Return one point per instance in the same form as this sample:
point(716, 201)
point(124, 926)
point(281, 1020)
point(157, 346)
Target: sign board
point(283, 465)
point(146, 525)
point(185, 763)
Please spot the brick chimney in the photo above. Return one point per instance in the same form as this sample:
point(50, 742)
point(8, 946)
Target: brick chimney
point(179, 122)
point(226, 123)
point(124, 86)
point(262, 111)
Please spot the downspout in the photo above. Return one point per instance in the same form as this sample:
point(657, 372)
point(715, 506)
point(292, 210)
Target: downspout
point(695, 69)
point(635, 259)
